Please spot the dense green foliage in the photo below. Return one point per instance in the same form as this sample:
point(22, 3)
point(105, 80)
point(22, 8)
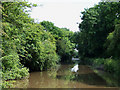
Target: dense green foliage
point(27, 45)
point(97, 23)
point(38, 48)
point(99, 36)
point(64, 44)
point(113, 42)
point(35, 48)
point(11, 66)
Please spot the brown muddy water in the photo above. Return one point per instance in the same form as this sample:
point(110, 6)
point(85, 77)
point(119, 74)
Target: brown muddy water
point(62, 77)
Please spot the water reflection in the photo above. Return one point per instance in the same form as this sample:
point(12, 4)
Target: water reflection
point(62, 77)
point(110, 79)
point(75, 68)
point(84, 75)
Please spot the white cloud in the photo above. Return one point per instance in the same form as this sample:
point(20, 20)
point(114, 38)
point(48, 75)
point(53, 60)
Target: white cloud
point(62, 13)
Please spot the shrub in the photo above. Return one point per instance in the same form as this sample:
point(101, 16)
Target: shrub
point(98, 61)
point(110, 65)
point(12, 68)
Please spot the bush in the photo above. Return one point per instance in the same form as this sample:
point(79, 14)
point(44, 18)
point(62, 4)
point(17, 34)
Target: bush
point(110, 65)
point(12, 68)
point(51, 58)
point(98, 61)
point(38, 49)
point(44, 56)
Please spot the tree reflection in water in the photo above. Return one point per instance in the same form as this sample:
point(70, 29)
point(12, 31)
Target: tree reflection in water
point(62, 77)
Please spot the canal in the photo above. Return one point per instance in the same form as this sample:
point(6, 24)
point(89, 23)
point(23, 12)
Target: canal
point(62, 77)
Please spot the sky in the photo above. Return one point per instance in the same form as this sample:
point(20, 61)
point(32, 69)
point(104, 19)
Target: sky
point(63, 13)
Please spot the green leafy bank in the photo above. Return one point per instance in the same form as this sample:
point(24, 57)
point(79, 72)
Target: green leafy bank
point(28, 46)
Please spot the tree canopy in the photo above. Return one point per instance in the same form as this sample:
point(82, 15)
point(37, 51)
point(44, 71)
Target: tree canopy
point(97, 23)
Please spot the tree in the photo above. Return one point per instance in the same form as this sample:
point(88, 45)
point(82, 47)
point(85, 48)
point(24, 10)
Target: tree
point(113, 42)
point(24, 43)
point(97, 23)
point(63, 36)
